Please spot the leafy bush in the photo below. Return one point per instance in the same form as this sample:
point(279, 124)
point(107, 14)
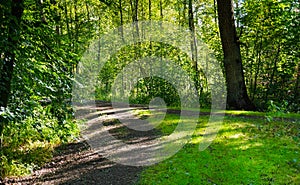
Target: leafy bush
point(28, 143)
point(276, 109)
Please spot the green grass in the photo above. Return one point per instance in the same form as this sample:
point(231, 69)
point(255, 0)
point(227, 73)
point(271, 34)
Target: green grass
point(264, 114)
point(248, 113)
point(246, 151)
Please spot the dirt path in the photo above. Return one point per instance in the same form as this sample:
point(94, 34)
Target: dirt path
point(77, 163)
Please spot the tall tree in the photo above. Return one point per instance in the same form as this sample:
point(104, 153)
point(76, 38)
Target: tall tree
point(237, 97)
point(12, 11)
point(193, 43)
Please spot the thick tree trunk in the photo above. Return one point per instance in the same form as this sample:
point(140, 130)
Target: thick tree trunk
point(8, 59)
point(237, 97)
point(13, 13)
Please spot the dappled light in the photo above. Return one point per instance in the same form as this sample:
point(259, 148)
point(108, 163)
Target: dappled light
point(149, 92)
point(241, 153)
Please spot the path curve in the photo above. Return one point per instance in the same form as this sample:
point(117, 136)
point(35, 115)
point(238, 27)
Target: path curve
point(76, 163)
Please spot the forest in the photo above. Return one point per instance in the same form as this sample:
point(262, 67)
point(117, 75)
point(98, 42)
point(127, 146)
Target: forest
point(234, 59)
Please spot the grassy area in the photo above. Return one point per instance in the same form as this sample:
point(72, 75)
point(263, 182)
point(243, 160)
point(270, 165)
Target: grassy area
point(246, 151)
point(249, 113)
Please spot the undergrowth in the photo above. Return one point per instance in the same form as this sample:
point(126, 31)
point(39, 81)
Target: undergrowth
point(28, 143)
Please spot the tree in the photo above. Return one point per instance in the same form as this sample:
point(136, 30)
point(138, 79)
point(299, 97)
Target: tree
point(193, 43)
point(11, 12)
point(237, 97)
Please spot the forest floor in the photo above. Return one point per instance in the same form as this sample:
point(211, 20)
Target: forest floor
point(77, 163)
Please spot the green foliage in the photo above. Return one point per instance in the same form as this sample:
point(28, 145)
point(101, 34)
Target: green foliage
point(39, 115)
point(28, 143)
point(276, 110)
point(269, 40)
point(268, 36)
point(148, 88)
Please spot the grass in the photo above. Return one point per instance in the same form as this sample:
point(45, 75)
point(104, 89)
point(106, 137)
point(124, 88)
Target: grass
point(246, 151)
point(248, 113)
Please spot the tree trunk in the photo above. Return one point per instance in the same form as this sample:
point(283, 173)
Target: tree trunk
point(193, 38)
point(15, 14)
point(193, 44)
point(297, 87)
point(121, 20)
point(237, 97)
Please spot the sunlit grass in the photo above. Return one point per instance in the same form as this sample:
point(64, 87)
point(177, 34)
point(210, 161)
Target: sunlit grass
point(246, 151)
point(23, 160)
point(246, 113)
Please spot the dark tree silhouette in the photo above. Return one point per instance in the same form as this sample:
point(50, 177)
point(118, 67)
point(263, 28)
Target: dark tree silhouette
point(237, 97)
point(12, 11)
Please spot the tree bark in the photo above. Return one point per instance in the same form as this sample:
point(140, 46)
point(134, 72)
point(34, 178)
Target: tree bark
point(121, 20)
point(297, 87)
point(237, 97)
point(193, 44)
point(9, 57)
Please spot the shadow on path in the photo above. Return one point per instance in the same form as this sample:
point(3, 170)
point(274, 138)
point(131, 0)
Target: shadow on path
point(77, 163)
